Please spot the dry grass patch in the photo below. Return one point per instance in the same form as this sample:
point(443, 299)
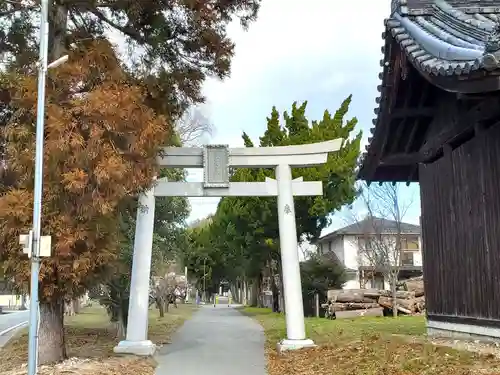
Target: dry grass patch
point(367, 346)
point(90, 339)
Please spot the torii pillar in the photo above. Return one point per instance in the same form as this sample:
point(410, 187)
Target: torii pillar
point(216, 161)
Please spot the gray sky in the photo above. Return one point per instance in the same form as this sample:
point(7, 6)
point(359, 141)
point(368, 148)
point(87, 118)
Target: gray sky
point(315, 50)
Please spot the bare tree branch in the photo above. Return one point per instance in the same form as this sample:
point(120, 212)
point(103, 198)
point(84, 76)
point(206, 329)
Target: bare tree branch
point(194, 127)
point(128, 31)
point(380, 242)
point(16, 9)
point(305, 250)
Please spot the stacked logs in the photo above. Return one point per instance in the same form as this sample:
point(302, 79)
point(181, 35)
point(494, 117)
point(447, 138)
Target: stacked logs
point(411, 300)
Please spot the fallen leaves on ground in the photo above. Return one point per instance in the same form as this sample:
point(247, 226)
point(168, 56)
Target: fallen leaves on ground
point(90, 339)
point(128, 365)
point(368, 346)
point(380, 356)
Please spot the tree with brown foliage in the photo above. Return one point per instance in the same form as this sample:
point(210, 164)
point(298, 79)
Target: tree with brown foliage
point(173, 44)
point(101, 144)
point(102, 136)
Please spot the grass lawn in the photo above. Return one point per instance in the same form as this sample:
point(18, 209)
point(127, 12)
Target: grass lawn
point(90, 336)
point(367, 346)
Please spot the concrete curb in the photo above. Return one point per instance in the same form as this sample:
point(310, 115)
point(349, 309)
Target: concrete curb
point(5, 331)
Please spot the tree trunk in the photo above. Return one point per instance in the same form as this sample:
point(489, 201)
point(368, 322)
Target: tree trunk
point(316, 305)
point(23, 302)
point(246, 293)
point(407, 304)
point(52, 347)
point(394, 295)
point(349, 306)
point(282, 294)
point(244, 296)
point(123, 312)
point(68, 308)
point(260, 302)
point(120, 328)
point(58, 32)
point(76, 306)
point(238, 298)
point(166, 304)
point(160, 304)
point(240, 291)
point(234, 292)
point(276, 294)
point(254, 293)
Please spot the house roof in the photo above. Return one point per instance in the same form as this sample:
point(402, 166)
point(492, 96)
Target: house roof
point(373, 225)
point(442, 39)
point(432, 50)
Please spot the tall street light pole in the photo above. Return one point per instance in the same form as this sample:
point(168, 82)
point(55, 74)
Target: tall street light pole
point(37, 192)
point(38, 185)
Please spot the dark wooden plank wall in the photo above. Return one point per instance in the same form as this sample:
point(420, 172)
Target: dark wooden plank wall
point(460, 197)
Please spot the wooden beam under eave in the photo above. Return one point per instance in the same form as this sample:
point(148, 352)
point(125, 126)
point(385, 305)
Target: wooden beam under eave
point(404, 121)
point(419, 122)
point(463, 130)
point(392, 78)
point(401, 159)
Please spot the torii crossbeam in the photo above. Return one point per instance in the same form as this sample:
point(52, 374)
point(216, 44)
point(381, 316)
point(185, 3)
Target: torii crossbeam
point(216, 161)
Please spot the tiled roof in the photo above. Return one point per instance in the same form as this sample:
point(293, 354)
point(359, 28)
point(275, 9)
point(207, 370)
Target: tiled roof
point(373, 225)
point(448, 41)
point(441, 40)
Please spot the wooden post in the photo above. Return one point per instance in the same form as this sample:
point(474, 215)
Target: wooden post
point(316, 302)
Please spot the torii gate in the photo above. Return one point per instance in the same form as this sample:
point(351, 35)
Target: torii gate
point(216, 161)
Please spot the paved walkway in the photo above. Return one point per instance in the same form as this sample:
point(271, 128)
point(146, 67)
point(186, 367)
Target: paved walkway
point(11, 323)
point(215, 341)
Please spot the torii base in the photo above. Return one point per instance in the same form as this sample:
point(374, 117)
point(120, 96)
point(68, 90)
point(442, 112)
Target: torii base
point(286, 345)
point(141, 348)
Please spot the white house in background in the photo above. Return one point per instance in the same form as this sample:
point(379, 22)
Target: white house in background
point(349, 244)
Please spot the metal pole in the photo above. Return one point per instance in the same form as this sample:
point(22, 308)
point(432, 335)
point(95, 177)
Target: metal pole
point(186, 298)
point(204, 279)
point(37, 193)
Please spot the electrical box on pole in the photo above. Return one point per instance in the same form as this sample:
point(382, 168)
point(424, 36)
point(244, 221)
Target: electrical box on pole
point(26, 240)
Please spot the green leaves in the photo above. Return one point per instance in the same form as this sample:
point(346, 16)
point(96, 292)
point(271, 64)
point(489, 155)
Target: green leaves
point(320, 274)
point(243, 235)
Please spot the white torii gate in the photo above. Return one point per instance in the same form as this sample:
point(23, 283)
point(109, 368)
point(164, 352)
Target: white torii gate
point(216, 161)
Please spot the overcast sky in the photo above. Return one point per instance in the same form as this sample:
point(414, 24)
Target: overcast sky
point(315, 50)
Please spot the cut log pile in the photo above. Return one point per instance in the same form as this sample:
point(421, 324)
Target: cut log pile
point(411, 300)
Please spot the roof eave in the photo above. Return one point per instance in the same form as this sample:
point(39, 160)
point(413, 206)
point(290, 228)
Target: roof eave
point(478, 68)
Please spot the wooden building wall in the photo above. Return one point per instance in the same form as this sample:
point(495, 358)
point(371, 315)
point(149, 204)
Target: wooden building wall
point(460, 197)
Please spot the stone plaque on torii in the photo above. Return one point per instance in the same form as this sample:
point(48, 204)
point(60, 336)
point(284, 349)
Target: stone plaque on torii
point(216, 161)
